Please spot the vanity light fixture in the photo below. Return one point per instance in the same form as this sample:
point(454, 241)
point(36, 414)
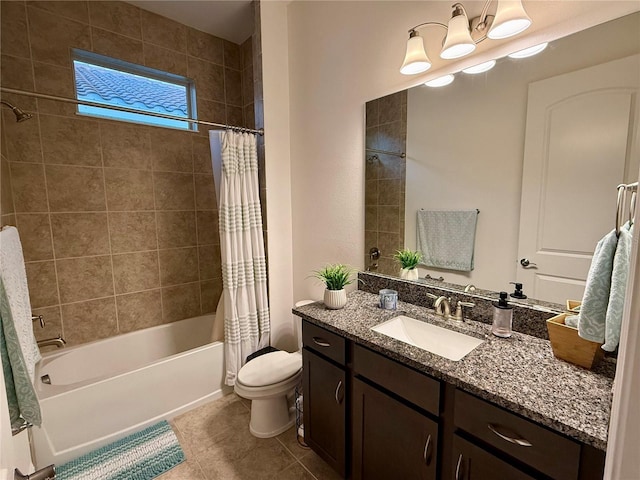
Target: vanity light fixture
point(440, 81)
point(463, 35)
point(481, 67)
point(529, 52)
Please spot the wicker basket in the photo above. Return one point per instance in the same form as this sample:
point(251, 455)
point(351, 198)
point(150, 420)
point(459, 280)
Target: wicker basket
point(569, 346)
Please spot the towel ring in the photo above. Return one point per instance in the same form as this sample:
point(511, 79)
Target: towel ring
point(632, 208)
point(620, 206)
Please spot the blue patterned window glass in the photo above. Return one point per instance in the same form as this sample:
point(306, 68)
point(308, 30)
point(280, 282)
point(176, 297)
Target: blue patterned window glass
point(113, 82)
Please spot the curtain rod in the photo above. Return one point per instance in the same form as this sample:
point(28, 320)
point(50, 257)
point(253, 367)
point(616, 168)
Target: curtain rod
point(125, 109)
point(386, 152)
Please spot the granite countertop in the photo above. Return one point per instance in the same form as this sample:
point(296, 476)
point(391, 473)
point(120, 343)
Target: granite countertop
point(519, 373)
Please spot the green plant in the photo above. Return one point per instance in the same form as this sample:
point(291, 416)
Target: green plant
point(335, 277)
point(408, 258)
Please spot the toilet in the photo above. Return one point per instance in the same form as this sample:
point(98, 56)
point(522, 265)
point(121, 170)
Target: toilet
point(269, 381)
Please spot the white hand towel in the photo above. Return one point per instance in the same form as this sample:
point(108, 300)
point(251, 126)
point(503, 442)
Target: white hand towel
point(14, 278)
point(619, 277)
point(446, 239)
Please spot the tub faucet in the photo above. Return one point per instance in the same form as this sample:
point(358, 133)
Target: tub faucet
point(57, 341)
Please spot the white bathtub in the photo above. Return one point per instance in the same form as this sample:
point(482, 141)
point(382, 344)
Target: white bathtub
point(105, 390)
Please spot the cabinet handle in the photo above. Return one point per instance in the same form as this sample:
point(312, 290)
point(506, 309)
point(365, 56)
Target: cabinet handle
point(516, 441)
point(321, 342)
point(338, 396)
point(427, 451)
point(459, 467)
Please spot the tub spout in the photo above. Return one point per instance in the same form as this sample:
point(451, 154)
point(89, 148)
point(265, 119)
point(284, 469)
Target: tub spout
point(46, 473)
point(57, 341)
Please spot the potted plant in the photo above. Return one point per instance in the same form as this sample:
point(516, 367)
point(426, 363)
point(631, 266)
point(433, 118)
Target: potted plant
point(409, 260)
point(335, 278)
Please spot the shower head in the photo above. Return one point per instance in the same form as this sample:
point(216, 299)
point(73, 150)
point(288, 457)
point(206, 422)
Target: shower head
point(20, 115)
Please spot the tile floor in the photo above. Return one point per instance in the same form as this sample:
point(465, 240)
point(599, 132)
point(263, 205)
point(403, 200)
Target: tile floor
point(218, 446)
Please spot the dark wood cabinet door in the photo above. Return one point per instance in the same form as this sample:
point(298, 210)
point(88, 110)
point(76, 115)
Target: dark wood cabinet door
point(324, 386)
point(390, 439)
point(471, 462)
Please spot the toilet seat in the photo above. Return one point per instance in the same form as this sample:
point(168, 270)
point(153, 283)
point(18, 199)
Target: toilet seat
point(270, 369)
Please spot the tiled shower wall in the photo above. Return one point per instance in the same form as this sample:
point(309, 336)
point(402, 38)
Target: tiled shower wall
point(386, 121)
point(118, 221)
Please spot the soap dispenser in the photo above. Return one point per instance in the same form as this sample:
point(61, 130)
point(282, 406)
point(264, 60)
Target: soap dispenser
point(502, 317)
point(518, 293)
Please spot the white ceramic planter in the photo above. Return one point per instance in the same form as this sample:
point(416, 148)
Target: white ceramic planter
point(335, 299)
point(409, 274)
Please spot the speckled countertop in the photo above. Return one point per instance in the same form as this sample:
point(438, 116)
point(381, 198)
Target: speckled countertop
point(519, 373)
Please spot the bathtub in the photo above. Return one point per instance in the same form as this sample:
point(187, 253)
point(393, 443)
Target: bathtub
point(105, 390)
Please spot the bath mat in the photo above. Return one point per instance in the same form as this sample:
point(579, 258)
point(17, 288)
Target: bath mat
point(141, 456)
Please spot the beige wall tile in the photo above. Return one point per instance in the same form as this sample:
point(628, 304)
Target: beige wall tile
point(176, 229)
point(211, 111)
point(208, 231)
point(205, 46)
point(22, 139)
point(209, 261)
point(232, 55)
point(249, 116)
point(388, 218)
point(6, 192)
point(9, 219)
point(171, 150)
point(174, 191)
point(247, 86)
point(209, 79)
point(178, 265)
point(247, 53)
point(371, 217)
point(75, 10)
point(389, 192)
point(133, 272)
point(137, 311)
point(52, 322)
point(52, 37)
point(54, 80)
point(132, 231)
point(41, 277)
point(180, 302)
point(75, 189)
point(59, 146)
point(201, 155)
point(27, 181)
point(205, 192)
point(371, 192)
point(233, 87)
point(15, 72)
point(210, 292)
point(80, 234)
point(14, 38)
point(125, 145)
point(84, 278)
point(163, 31)
point(119, 17)
point(89, 321)
point(128, 189)
point(117, 46)
point(35, 236)
point(165, 59)
point(235, 115)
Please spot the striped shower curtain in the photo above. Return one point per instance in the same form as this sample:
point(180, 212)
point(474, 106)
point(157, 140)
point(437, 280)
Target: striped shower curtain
point(244, 268)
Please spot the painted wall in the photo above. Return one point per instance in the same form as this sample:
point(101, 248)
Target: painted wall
point(468, 153)
point(118, 221)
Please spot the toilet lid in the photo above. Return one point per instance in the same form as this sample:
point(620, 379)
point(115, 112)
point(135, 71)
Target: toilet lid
point(270, 368)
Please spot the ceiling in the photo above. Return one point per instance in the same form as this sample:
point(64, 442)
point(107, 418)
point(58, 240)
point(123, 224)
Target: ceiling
point(228, 19)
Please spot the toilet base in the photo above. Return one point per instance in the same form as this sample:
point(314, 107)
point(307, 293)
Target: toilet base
point(271, 417)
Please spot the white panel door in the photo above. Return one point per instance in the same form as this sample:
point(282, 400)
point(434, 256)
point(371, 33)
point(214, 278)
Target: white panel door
point(581, 142)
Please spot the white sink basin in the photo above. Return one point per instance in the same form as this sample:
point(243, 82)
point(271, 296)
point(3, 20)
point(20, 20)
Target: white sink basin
point(434, 339)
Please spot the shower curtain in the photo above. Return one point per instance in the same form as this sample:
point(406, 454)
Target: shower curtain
point(244, 268)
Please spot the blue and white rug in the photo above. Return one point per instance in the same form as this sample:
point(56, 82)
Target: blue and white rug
point(141, 456)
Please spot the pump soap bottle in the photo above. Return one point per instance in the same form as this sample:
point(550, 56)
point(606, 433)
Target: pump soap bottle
point(502, 317)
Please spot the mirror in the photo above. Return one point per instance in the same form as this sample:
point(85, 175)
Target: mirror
point(469, 146)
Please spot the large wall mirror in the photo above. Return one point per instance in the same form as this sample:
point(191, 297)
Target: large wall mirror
point(537, 145)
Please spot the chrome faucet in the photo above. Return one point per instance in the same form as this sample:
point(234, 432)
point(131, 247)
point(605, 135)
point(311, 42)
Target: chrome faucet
point(57, 341)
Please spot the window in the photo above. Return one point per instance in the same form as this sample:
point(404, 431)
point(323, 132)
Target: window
point(112, 82)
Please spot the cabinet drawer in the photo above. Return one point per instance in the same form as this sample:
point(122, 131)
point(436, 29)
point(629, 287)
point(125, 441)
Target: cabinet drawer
point(413, 386)
point(542, 449)
point(324, 342)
